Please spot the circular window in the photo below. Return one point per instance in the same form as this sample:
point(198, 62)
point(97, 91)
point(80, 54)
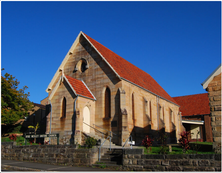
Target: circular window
point(83, 66)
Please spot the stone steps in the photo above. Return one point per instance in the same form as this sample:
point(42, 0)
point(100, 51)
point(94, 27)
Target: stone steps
point(111, 159)
point(107, 142)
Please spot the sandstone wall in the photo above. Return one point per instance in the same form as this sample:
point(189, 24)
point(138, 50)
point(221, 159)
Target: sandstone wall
point(151, 113)
point(51, 154)
point(214, 93)
point(137, 161)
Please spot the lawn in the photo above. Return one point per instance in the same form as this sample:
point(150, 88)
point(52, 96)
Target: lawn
point(175, 150)
point(204, 143)
point(20, 140)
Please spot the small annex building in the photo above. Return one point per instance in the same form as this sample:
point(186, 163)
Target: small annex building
point(212, 84)
point(95, 90)
point(196, 119)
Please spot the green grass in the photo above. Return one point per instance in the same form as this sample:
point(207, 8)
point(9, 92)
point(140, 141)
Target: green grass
point(20, 140)
point(204, 143)
point(175, 150)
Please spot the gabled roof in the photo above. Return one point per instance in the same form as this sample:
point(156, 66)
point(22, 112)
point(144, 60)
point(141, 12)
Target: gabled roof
point(130, 72)
point(123, 69)
point(197, 104)
point(216, 72)
point(80, 87)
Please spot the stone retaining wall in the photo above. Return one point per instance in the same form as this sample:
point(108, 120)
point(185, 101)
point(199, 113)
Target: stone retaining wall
point(50, 154)
point(137, 161)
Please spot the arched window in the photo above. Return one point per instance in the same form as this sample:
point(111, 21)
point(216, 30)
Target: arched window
point(63, 108)
point(107, 103)
point(133, 110)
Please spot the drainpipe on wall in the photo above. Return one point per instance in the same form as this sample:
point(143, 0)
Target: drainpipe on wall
point(75, 117)
point(50, 121)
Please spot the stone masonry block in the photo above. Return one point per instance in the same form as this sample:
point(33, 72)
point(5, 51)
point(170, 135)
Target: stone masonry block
point(180, 163)
point(195, 162)
point(174, 168)
point(177, 156)
point(135, 162)
point(216, 133)
point(204, 162)
point(217, 139)
point(133, 151)
point(218, 157)
point(152, 162)
point(137, 156)
point(201, 156)
point(130, 156)
point(153, 156)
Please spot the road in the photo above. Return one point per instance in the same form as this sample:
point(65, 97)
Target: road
point(12, 165)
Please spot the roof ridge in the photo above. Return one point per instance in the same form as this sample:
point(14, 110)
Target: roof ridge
point(129, 71)
point(117, 54)
point(190, 95)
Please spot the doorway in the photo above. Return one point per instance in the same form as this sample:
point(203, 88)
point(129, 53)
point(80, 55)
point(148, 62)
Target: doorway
point(86, 119)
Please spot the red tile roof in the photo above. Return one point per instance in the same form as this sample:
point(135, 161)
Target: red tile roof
point(79, 87)
point(197, 104)
point(129, 71)
point(39, 105)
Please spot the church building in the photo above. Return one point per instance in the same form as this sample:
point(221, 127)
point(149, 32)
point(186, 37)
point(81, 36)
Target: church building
point(95, 91)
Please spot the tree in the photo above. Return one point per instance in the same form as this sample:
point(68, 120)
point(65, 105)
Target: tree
point(14, 102)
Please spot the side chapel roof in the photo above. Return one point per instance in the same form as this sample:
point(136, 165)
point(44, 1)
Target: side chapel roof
point(197, 104)
point(79, 87)
point(130, 72)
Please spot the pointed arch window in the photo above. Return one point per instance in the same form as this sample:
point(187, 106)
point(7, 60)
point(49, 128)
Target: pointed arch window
point(107, 103)
point(63, 108)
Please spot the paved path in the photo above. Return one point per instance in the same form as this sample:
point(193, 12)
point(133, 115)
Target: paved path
point(31, 166)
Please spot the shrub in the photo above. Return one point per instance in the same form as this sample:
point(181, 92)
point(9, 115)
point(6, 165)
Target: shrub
point(184, 142)
point(147, 142)
point(90, 142)
point(163, 139)
point(13, 137)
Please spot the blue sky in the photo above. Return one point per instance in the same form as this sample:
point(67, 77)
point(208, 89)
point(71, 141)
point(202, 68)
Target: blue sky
point(177, 43)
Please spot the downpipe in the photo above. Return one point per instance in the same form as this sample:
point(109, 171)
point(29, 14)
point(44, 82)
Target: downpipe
point(50, 122)
point(75, 118)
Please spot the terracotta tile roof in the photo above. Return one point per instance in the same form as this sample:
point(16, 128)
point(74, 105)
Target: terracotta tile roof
point(129, 71)
point(79, 87)
point(39, 105)
point(197, 104)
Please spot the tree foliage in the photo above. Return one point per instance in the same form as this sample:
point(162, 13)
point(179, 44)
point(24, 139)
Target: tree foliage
point(14, 102)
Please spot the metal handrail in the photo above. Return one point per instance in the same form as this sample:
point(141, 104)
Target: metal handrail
point(105, 129)
point(102, 145)
point(94, 128)
point(109, 136)
point(126, 142)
